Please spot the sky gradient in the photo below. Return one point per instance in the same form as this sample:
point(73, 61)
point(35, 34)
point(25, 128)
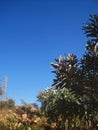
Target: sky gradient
point(32, 34)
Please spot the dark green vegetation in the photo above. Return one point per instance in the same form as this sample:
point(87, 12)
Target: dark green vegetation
point(71, 103)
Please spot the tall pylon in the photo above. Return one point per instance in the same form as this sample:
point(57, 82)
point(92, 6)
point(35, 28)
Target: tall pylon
point(3, 88)
point(5, 85)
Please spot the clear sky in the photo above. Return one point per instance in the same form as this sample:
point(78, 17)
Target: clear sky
point(32, 34)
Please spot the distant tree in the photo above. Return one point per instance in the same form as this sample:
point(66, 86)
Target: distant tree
point(7, 104)
point(10, 103)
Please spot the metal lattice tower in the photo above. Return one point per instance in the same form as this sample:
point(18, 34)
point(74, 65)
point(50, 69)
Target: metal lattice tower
point(3, 88)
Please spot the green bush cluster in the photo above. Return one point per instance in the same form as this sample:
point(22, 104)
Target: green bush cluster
point(72, 101)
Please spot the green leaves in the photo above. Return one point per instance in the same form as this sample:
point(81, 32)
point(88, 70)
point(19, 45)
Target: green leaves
point(74, 92)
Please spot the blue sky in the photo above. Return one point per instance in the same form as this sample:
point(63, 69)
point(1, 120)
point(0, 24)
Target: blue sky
point(32, 34)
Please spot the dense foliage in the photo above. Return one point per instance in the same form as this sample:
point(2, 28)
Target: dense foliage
point(73, 97)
